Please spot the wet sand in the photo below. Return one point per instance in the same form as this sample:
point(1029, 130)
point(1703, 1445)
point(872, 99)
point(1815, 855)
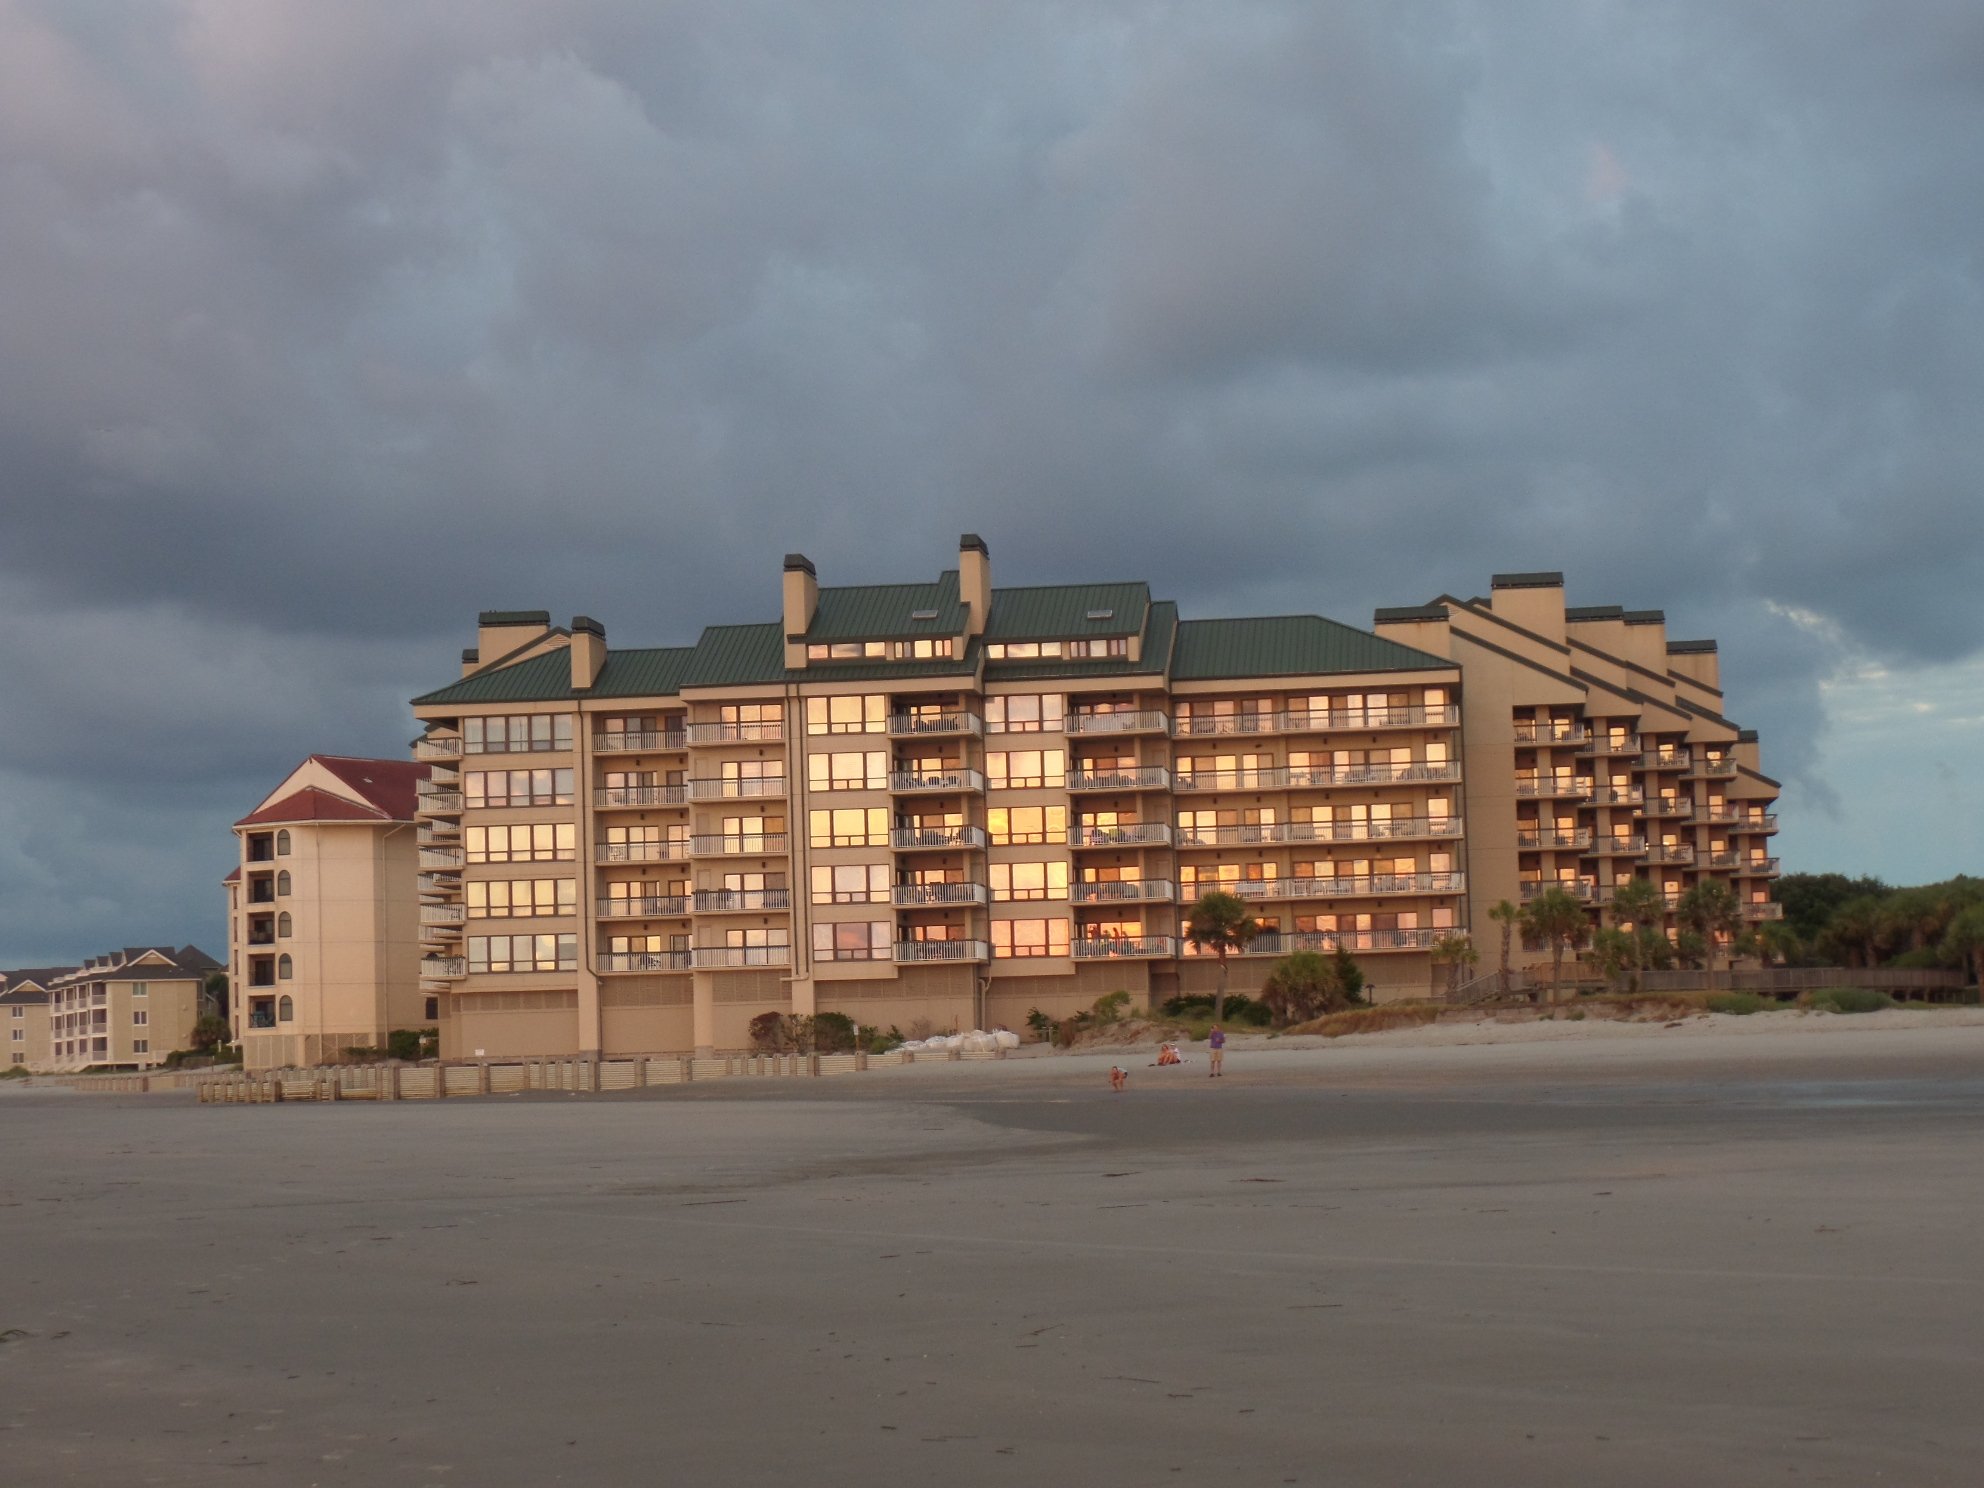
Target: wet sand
point(1640, 1257)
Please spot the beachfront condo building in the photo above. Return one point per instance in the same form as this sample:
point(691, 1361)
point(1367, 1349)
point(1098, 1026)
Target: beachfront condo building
point(126, 1009)
point(323, 912)
point(24, 1014)
point(952, 804)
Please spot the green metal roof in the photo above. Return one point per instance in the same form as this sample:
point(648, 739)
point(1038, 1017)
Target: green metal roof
point(653, 672)
point(736, 655)
point(1060, 612)
point(1160, 634)
point(532, 680)
point(1288, 645)
point(884, 612)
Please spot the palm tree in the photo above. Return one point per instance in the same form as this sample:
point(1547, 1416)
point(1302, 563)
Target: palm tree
point(1221, 923)
point(1554, 916)
point(1777, 941)
point(1965, 939)
point(1638, 902)
point(1454, 952)
point(1710, 909)
point(1508, 917)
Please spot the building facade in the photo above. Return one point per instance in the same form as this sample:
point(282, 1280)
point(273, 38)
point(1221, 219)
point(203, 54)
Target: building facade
point(323, 937)
point(24, 1014)
point(127, 1009)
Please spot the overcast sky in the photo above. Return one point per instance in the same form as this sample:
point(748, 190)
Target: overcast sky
point(323, 326)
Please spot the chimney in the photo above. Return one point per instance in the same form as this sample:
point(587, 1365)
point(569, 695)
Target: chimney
point(499, 632)
point(588, 651)
point(1535, 601)
point(974, 581)
point(1696, 660)
point(471, 659)
point(802, 600)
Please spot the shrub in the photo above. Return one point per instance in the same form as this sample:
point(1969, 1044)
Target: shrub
point(1741, 1004)
point(767, 1032)
point(880, 1042)
point(403, 1043)
point(1575, 1015)
point(1191, 1003)
point(14, 1072)
point(209, 1033)
point(1850, 1000)
point(1109, 1008)
point(1369, 1020)
point(1041, 1024)
point(833, 1033)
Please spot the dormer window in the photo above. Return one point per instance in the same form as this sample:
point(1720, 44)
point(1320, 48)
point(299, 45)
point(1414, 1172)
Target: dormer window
point(929, 648)
point(923, 614)
point(1101, 615)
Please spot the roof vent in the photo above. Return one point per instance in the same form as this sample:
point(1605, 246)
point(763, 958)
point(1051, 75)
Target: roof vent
point(1102, 614)
point(923, 614)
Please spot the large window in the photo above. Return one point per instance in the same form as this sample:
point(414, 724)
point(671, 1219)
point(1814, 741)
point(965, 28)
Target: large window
point(858, 940)
point(523, 953)
point(854, 827)
point(930, 648)
point(1025, 769)
point(1020, 881)
point(754, 834)
point(534, 733)
point(1026, 826)
point(1019, 939)
point(505, 898)
point(854, 771)
point(862, 713)
point(517, 788)
point(851, 883)
point(1025, 713)
point(538, 842)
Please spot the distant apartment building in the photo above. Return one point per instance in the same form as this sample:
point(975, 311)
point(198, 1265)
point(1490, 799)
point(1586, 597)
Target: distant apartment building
point(323, 935)
point(127, 1009)
point(1596, 750)
point(24, 1013)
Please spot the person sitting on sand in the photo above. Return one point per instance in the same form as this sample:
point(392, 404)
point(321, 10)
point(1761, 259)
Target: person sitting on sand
point(1168, 1054)
point(1119, 1078)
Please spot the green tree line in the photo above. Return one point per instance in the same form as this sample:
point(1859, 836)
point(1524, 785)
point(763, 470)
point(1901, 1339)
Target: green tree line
point(1831, 919)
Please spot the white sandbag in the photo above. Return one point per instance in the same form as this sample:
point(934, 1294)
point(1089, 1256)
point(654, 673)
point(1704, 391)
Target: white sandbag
point(1005, 1038)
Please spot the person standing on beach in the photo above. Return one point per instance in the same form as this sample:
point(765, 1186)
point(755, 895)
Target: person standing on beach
point(1216, 1042)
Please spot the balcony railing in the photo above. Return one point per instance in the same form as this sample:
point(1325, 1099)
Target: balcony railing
point(442, 914)
point(444, 968)
point(928, 725)
point(649, 741)
point(653, 906)
point(910, 782)
point(772, 732)
point(926, 839)
point(1124, 947)
point(435, 747)
point(1758, 867)
point(1124, 891)
point(668, 850)
point(723, 958)
point(1614, 795)
point(1579, 888)
point(1720, 816)
point(1771, 911)
point(942, 950)
point(747, 844)
point(1354, 831)
point(1556, 785)
point(1553, 839)
point(1277, 943)
point(640, 795)
point(1670, 853)
point(1618, 847)
point(1148, 777)
point(728, 789)
point(1146, 721)
point(739, 901)
point(1765, 822)
point(1668, 808)
point(1532, 731)
point(617, 961)
point(1339, 887)
point(438, 834)
point(1666, 759)
point(1130, 834)
point(440, 857)
point(1716, 769)
point(1612, 744)
point(438, 802)
point(938, 895)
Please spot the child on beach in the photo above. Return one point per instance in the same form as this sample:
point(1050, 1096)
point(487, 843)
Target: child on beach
point(1216, 1042)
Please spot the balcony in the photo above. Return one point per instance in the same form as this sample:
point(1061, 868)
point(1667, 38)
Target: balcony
point(727, 789)
point(668, 850)
point(1670, 808)
point(732, 958)
point(443, 968)
point(1354, 885)
point(1758, 867)
point(653, 741)
point(432, 802)
point(1547, 732)
point(1326, 941)
point(1613, 795)
point(936, 839)
point(1557, 786)
point(1612, 744)
point(1618, 847)
point(1715, 769)
point(1670, 854)
point(912, 783)
point(1666, 759)
point(1581, 889)
point(947, 724)
point(1759, 912)
point(1124, 891)
point(442, 914)
point(938, 895)
point(440, 857)
point(656, 906)
point(748, 844)
point(1130, 834)
point(942, 950)
point(438, 834)
point(1147, 777)
point(1395, 829)
point(1762, 822)
point(1125, 947)
point(610, 796)
point(1719, 816)
point(1129, 722)
point(1575, 840)
point(1380, 774)
point(740, 901)
point(622, 961)
point(772, 732)
point(435, 747)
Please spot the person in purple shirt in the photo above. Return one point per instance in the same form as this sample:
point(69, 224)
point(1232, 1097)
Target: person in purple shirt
point(1216, 1042)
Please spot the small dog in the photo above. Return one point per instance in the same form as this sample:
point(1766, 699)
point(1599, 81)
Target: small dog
point(1119, 1078)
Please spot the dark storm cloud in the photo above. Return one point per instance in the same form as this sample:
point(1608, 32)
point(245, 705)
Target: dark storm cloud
point(322, 327)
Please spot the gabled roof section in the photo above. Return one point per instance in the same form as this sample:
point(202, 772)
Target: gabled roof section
point(312, 805)
point(531, 680)
point(737, 656)
point(1160, 637)
point(887, 612)
point(1287, 646)
point(1060, 612)
point(655, 671)
point(388, 784)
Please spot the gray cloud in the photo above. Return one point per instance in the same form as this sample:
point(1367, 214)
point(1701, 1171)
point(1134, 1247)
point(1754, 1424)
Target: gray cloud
point(327, 326)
